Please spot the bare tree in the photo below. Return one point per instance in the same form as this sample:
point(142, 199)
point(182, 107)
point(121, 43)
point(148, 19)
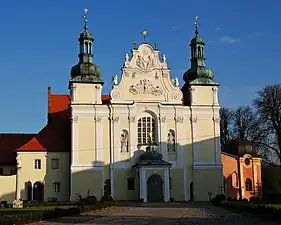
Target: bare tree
point(240, 123)
point(225, 125)
point(268, 105)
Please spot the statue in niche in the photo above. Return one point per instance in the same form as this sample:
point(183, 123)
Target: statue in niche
point(171, 141)
point(124, 141)
point(115, 80)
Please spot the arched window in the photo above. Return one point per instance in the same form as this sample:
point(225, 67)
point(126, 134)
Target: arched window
point(248, 184)
point(234, 178)
point(146, 130)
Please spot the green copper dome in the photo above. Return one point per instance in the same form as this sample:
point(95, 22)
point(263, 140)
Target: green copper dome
point(198, 74)
point(85, 71)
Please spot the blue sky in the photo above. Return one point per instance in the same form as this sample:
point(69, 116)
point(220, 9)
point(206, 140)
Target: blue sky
point(38, 46)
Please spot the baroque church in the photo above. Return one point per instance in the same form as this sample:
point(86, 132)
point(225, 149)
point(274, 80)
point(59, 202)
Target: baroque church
point(148, 140)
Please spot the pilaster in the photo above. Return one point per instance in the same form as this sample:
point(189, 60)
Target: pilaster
point(166, 185)
point(116, 138)
point(217, 143)
point(99, 141)
point(132, 135)
point(74, 140)
point(163, 135)
point(194, 139)
point(179, 139)
point(215, 96)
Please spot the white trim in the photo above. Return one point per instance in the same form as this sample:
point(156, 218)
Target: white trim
point(99, 141)
point(74, 139)
point(242, 181)
point(194, 141)
point(185, 186)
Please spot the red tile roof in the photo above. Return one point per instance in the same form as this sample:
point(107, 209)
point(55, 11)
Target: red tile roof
point(55, 136)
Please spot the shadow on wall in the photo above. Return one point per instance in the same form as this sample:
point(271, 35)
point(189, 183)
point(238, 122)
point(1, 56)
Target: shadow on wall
point(199, 182)
point(59, 184)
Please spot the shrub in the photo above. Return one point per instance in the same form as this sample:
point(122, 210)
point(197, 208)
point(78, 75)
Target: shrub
point(91, 200)
point(19, 216)
point(218, 199)
point(255, 199)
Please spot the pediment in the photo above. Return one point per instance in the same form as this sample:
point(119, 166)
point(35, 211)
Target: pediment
point(145, 78)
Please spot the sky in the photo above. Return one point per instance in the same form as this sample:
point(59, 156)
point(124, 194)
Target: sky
point(38, 47)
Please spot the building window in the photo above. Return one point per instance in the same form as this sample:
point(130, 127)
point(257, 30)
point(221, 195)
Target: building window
point(146, 130)
point(55, 163)
point(234, 180)
point(56, 187)
point(248, 184)
point(131, 183)
point(247, 161)
point(37, 164)
point(1, 172)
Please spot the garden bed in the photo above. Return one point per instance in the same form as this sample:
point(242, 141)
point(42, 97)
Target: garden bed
point(270, 212)
point(10, 216)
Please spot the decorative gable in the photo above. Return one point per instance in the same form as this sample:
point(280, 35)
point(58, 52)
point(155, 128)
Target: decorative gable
point(145, 78)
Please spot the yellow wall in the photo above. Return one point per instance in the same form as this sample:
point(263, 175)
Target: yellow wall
point(87, 93)
point(203, 95)
point(46, 174)
point(205, 140)
point(121, 191)
point(177, 191)
point(207, 180)
point(7, 188)
point(87, 183)
point(86, 141)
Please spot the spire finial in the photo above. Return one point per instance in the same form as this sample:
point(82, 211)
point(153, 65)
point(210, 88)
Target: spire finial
point(144, 33)
point(85, 17)
point(196, 26)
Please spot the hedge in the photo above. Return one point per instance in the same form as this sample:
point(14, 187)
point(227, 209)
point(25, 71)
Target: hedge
point(24, 216)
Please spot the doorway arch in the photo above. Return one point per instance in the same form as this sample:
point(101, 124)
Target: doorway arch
point(38, 191)
point(155, 188)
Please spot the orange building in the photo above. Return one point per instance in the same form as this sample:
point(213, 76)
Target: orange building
point(241, 170)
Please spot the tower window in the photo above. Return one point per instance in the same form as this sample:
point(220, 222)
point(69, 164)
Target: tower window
point(146, 130)
point(248, 184)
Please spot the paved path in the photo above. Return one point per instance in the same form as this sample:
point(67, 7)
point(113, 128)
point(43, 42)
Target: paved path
point(164, 214)
point(160, 214)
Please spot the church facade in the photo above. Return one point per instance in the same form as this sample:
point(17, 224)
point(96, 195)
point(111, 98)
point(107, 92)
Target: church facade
point(149, 140)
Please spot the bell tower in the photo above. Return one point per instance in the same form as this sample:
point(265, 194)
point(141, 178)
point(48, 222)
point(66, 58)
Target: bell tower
point(199, 88)
point(86, 84)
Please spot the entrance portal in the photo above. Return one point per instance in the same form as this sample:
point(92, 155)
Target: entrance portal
point(154, 188)
point(38, 191)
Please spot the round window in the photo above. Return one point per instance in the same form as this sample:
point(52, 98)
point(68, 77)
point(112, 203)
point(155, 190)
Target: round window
point(247, 161)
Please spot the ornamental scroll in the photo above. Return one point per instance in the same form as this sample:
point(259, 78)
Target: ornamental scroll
point(145, 87)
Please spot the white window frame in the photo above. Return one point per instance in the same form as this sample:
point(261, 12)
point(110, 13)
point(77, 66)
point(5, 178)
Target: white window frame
point(145, 126)
point(37, 164)
point(56, 187)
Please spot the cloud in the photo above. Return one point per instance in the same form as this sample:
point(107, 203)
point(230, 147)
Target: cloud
point(254, 34)
point(229, 40)
point(217, 29)
point(175, 27)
